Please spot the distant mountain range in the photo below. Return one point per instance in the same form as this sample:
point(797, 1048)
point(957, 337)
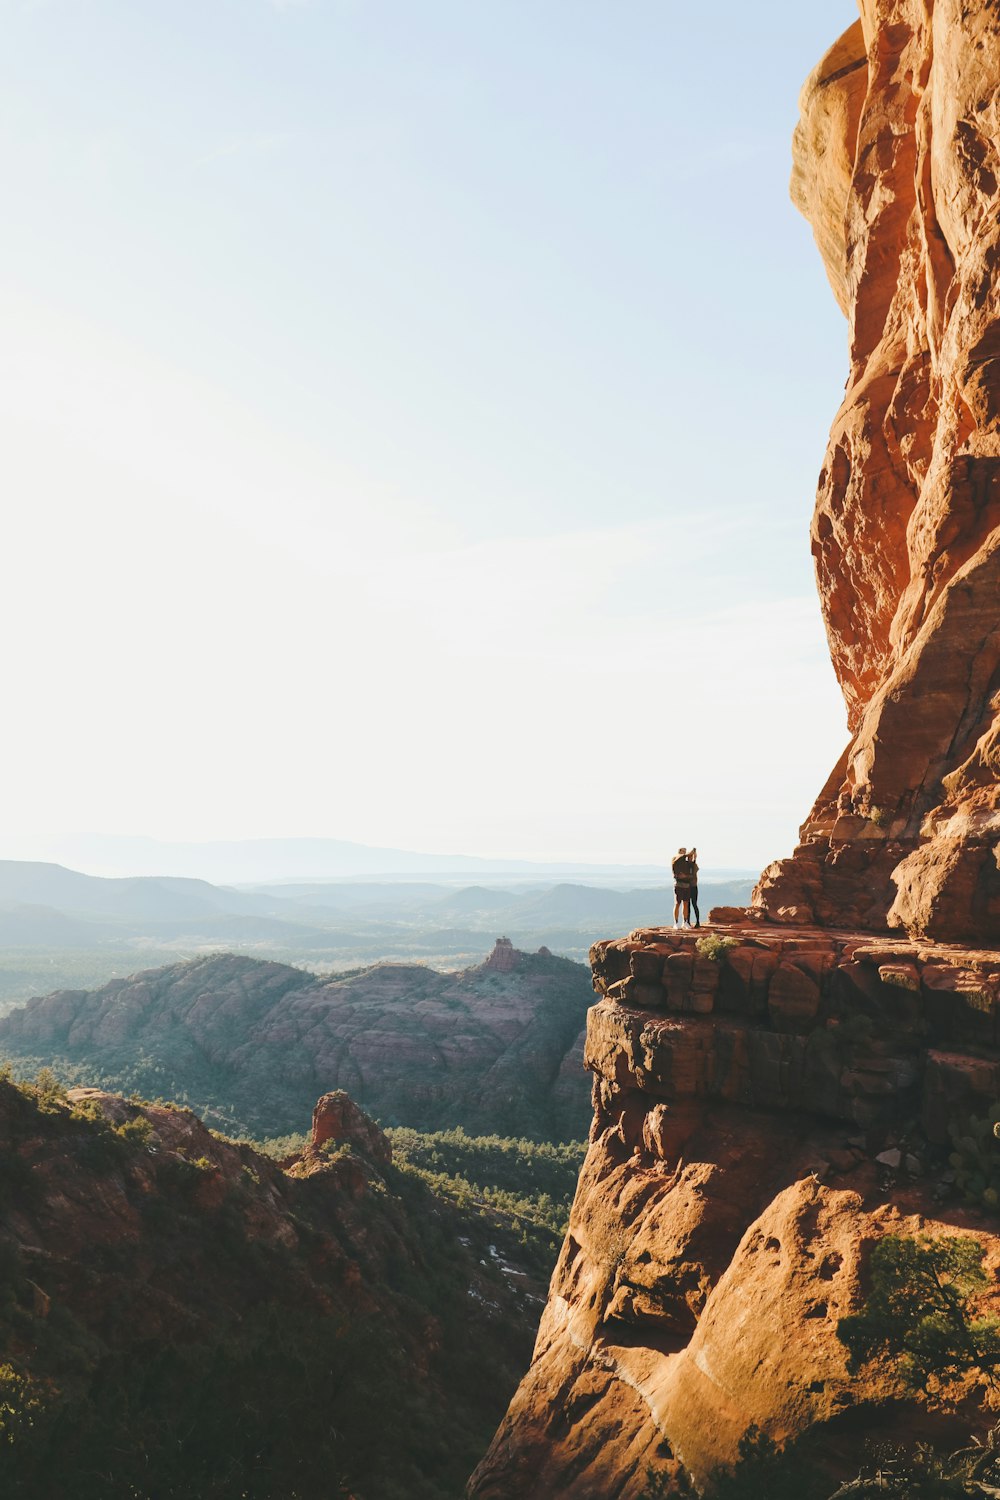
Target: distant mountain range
point(61, 928)
point(257, 861)
point(48, 905)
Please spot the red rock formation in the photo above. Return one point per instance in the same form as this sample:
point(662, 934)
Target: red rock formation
point(752, 1139)
point(504, 957)
point(766, 1110)
point(896, 166)
point(337, 1118)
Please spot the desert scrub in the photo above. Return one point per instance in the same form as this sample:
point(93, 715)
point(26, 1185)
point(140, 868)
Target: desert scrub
point(715, 947)
point(879, 816)
point(47, 1089)
point(920, 1314)
point(20, 1404)
point(609, 1247)
point(136, 1132)
point(763, 1469)
point(976, 1159)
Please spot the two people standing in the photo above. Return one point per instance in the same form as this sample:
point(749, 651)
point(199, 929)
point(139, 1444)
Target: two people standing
point(685, 869)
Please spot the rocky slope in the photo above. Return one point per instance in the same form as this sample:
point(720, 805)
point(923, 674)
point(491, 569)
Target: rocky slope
point(251, 1044)
point(896, 166)
point(180, 1316)
point(767, 1111)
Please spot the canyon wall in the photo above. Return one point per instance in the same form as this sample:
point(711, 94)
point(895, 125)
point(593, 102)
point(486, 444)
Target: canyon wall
point(768, 1108)
point(896, 167)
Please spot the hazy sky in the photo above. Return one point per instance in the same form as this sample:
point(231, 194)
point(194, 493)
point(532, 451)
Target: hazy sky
point(412, 411)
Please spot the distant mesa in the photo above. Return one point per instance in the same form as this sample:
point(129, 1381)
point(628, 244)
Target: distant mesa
point(252, 1044)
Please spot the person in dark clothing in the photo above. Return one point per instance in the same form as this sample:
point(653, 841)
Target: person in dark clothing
point(693, 861)
point(684, 877)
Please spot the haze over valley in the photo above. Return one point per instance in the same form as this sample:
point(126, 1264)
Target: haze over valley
point(60, 928)
point(412, 416)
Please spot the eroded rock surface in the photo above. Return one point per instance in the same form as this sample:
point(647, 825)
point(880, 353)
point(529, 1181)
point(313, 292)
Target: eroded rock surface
point(897, 168)
point(762, 1118)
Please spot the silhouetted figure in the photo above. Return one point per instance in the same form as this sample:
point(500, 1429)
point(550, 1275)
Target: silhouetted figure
point(693, 862)
point(685, 874)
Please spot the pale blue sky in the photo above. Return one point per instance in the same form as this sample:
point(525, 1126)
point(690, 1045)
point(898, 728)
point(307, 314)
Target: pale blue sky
point(413, 418)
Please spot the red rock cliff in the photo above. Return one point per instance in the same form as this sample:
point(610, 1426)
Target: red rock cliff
point(896, 167)
point(764, 1113)
point(761, 1119)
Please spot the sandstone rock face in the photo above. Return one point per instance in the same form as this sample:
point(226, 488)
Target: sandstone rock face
point(761, 1120)
point(896, 166)
point(766, 1111)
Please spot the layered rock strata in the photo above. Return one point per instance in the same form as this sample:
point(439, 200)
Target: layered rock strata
point(762, 1117)
point(867, 1032)
point(897, 168)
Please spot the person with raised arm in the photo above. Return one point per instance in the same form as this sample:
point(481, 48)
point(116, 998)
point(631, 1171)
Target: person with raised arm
point(684, 876)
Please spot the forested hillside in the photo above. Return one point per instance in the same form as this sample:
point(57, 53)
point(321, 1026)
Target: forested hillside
point(180, 1317)
point(497, 1048)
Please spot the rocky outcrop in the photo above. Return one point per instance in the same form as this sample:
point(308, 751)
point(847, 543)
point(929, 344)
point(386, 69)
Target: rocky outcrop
point(338, 1119)
point(504, 956)
point(767, 1106)
point(495, 1048)
point(868, 1033)
point(896, 167)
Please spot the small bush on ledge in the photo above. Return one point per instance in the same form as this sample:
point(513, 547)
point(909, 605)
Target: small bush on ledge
point(714, 947)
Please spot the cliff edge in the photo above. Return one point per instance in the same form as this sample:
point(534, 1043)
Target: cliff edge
point(762, 1118)
point(768, 1106)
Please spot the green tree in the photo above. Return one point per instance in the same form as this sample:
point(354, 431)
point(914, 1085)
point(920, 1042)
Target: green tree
point(763, 1469)
point(920, 1312)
